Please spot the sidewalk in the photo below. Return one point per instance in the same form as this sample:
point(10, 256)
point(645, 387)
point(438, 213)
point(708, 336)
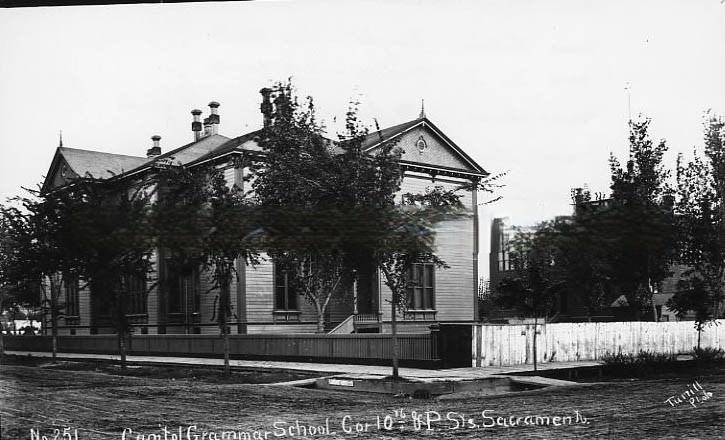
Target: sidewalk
point(324, 369)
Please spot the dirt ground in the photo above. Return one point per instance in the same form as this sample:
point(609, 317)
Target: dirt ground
point(39, 403)
point(161, 371)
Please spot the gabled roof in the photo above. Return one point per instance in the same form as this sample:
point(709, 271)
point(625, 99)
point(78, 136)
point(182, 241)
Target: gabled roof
point(97, 164)
point(241, 143)
point(100, 165)
point(376, 138)
point(188, 153)
point(227, 147)
point(91, 164)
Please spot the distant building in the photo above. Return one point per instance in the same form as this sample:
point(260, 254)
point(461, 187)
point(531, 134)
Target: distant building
point(500, 268)
point(502, 232)
point(569, 307)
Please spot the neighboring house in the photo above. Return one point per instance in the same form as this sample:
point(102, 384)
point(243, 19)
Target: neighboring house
point(668, 289)
point(569, 307)
point(262, 299)
point(500, 268)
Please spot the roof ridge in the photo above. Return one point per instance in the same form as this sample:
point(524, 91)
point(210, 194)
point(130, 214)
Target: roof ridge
point(397, 126)
point(61, 149)
point(185, 146)
point(230, 145)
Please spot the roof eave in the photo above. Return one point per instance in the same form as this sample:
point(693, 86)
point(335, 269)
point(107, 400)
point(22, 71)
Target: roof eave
point(53, 164)
point(440, 170)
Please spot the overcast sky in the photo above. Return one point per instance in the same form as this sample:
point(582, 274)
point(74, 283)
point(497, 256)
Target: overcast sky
point(535, 88)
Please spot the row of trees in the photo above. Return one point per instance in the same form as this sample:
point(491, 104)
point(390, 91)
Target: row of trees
point(627, 245)
point(319, 209)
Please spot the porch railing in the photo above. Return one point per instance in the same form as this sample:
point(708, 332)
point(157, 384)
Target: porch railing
point(367, 318)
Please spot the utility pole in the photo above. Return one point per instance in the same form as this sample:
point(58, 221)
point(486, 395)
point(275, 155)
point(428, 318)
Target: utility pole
point(628, 88)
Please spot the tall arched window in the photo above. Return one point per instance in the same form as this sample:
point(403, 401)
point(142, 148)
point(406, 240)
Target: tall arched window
point(285, 295)
point(72, 303)
point(421, 291)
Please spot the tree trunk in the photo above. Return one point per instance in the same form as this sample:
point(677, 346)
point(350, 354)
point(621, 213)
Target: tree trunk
point(225, 336)
point(122, 348)
point(322, 307)
point(635, 306)
point(536, 314)
point(320, 321)
point(394, 330)
point(122, 327)
point(224, 310)
point(54, 293)
point(699, 333)
point(2, 341)
point(535, 331)
point(654, 308)
point(2, 328)
point(54, 341)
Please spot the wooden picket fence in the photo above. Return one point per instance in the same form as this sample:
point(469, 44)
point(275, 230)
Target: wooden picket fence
point(415, 349)
point(502, 345)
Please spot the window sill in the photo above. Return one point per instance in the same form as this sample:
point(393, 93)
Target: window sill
point(72, 320)
point(176, 318)
point(137, 318)
point(420, 315)
point(286, 315)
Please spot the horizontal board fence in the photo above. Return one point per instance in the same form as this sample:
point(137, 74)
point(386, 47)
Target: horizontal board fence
point(421, 350)
point(502, 345)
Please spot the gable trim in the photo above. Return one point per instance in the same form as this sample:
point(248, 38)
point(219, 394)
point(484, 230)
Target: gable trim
point(440, 170)
point(424, 122)
point(52, 171)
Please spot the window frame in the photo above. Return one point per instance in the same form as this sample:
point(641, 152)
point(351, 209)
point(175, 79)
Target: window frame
point(135, 289)
point(289, 294)
point(71, 287)
point(421, 297)
point(187, 306)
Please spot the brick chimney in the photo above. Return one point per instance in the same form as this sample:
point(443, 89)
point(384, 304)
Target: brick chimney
point(207, 127)
point(214, 117)
point(156, 149)
point(196, 124)
point(266, 106)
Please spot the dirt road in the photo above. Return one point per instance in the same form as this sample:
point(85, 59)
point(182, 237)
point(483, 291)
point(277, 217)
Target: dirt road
point(39, 402)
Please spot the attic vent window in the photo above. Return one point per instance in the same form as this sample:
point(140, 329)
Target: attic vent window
point(63, 170)
point(421, 145)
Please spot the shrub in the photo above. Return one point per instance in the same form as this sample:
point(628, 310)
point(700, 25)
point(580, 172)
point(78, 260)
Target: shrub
point(708, 354)
point(643, 363)
point(620, 359)
point(642, 358)
point(648, 358)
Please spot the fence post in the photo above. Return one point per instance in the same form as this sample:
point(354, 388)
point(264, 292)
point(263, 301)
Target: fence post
point(435, 340)
point(478, 333)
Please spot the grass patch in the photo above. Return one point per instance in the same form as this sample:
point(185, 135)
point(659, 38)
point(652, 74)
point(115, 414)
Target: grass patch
point(648, 364)
point(203, 373)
